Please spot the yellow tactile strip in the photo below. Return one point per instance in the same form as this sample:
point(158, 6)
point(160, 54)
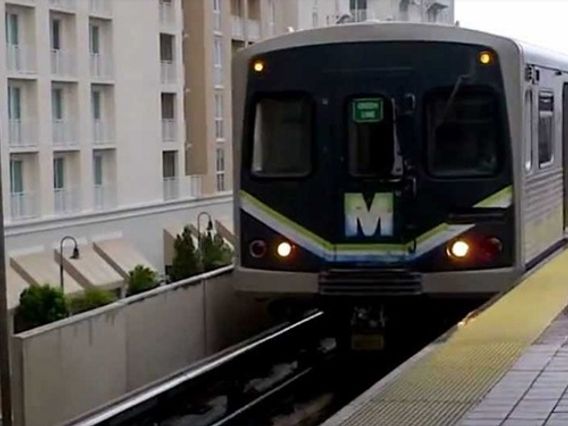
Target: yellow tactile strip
point(440, 387)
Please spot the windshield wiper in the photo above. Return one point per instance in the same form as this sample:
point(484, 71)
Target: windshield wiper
point(449, 104)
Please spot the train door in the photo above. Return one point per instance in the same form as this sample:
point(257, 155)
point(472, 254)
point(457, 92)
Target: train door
point(371, 216)
point(565, 152)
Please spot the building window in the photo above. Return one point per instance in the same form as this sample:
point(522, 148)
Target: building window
point(169, 164)
point(218, 61)
point(14, 103)
point(98, 169)
point(95, 39)
point(220, 169)
point(96, 104)
point(168, 106)
point(58, 173)
point(166, 48)
point(545, 128)
point(56, 34)
point(12, 29)
point(358, 9)
point(219, 117)
point(57, 103)
point(217, 15)
point(403, 9)
point(16, 177)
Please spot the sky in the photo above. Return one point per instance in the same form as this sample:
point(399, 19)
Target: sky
point(540, 22)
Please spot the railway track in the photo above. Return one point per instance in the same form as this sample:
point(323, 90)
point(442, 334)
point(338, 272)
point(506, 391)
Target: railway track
point(290, 375)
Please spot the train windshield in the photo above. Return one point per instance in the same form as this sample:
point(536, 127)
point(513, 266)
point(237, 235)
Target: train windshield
point(282, 137)
point(462, 135)
point(370, 136)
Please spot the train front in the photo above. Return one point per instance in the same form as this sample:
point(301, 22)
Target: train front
point(374, 168)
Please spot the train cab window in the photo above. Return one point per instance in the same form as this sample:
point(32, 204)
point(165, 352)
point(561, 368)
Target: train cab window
point(545, 128)
point(462, 134)
point(528, 130)
point(282, 137)
point(370, 137)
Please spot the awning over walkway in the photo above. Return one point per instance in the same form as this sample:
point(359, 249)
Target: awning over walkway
point(40, 268)
point(91, 270)
point(15, 285)
point(121, 255)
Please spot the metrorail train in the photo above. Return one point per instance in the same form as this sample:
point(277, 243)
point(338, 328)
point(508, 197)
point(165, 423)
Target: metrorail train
point(395, 159)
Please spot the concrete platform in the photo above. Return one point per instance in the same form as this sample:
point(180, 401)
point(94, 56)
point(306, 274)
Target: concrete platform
point(506, 365)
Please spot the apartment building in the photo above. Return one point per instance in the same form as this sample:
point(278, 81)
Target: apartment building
point(215, 29)
point(92, 128)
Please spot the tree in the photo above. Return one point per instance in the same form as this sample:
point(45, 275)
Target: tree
point(187, 261)
point(92, 298)
point(40, 305)
point(215, 252)
point(141, 279)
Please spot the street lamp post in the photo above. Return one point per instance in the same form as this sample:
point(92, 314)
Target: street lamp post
point(204, 283)
point(75, 255)
point(209, 226)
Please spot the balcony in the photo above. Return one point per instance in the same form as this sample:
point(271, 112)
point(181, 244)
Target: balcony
point(171, 188)
point(237, 27)
point(20, 59)
point(169, 130)
point(253, 28)
point(195, 183)
point(359, 15)
point(62, 63)
point(168, 72)
point(65, 201)
point(167, 13)
point(100, 7)
point(23, 205)
point(101, 66)
point(102, 133)
point(64, 134)
point(105, 197)
point(63, 4)
point(21, 134)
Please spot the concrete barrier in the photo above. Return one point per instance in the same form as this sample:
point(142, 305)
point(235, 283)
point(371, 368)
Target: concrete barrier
point(65, 369)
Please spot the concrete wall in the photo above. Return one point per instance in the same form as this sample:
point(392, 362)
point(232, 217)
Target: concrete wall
point(74, 366)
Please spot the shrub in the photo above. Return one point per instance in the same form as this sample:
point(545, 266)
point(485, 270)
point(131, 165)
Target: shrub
point(215, 252)
point(92, 298)
point(141, 279)
point(187, 261)
point(40, 305)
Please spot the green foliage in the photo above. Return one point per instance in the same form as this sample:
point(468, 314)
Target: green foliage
point(187, 261)
point(141, 279)
point(40, 305)
point(92, 298)
point(215, 251)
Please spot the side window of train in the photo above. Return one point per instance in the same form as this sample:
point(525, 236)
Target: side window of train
point(282, 141)
point(545, 128)
point(528, 130)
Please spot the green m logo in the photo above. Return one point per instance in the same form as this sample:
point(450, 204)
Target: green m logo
point(360, 216)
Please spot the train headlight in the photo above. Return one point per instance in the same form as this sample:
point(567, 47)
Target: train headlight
point(258, 66)
point(459, 249)
point(284, 249)
point(257, 248)
point(485, 58)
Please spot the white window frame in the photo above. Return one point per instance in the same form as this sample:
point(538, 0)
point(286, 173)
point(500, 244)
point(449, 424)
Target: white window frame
point(98, 168)
point(12, 28)
point(13, 162)
point(218, 61)
point(220, 169)
point(219, 117)
point(217, 16)
point(59, 160)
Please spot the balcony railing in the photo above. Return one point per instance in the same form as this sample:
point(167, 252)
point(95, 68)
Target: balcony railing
point(194, 186)
point(103, 133)
point(100, 7)
point(217, 75)
point(253, 28)
point(169, 130)
point(168, 72)
point(167, 13)
point(23, 205)
point(21, 133)
point(105, 197)
point(20, 58)
point(237, 27)
point(64, 134)
point(217, 21)
point(101, 66)
point(62, 62)
point(65, 200)
point(359, 15)
point(63, 4)
point(171, 188)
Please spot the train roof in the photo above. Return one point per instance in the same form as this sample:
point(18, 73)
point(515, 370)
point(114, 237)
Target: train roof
point(404, 31)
